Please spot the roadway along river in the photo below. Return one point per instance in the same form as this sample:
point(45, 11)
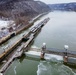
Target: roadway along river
point(60, 30)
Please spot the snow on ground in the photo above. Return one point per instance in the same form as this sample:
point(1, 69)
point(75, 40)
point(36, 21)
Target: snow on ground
point(5, 23)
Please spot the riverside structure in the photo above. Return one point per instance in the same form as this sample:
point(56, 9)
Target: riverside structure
point(17, 49)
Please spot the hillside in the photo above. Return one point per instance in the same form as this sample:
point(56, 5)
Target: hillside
point(21, 10)
point(63, 6)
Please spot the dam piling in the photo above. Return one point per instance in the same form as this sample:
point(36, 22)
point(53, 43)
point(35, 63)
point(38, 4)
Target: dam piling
point(43, 51)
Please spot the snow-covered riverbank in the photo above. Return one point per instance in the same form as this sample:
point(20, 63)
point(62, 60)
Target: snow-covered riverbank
point(5, 23)
point(4, 27)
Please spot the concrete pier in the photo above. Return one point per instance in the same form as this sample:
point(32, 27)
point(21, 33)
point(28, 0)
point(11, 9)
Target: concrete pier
point(43, 51)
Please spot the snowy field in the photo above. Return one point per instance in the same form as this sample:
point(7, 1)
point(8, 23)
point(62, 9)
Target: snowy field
point(5, 23)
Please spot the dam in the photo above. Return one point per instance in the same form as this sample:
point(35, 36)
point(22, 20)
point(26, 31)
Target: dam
point(18, 64)
point(14, 52)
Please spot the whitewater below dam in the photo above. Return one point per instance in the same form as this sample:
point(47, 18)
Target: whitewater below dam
point(59, 31)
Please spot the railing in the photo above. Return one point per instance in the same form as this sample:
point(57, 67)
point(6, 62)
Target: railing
point(62, 52)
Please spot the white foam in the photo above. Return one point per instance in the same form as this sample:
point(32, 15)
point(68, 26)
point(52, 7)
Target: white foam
point(41, 68)
point(45, 68)
point(34, 47)
point(1, 74)
point(47, 56)
point(33, 53)
point(5, 23)
point(51, 56)
point(15, 70)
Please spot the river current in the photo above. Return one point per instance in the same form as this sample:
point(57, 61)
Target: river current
point(59, 31)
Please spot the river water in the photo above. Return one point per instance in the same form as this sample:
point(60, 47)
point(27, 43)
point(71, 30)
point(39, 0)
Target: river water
point(59, 31)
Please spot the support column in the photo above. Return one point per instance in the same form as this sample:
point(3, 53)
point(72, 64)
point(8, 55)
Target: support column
point(65, 57)
point(43, 50)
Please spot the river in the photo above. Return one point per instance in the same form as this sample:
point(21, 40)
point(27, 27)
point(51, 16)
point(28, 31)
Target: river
point(59, 31)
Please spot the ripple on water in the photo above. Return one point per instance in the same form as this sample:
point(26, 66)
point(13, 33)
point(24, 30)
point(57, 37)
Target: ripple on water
point(48, 68)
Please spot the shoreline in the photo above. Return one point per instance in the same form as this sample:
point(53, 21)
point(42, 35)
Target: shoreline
point(25, 44)
point(20, 29)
